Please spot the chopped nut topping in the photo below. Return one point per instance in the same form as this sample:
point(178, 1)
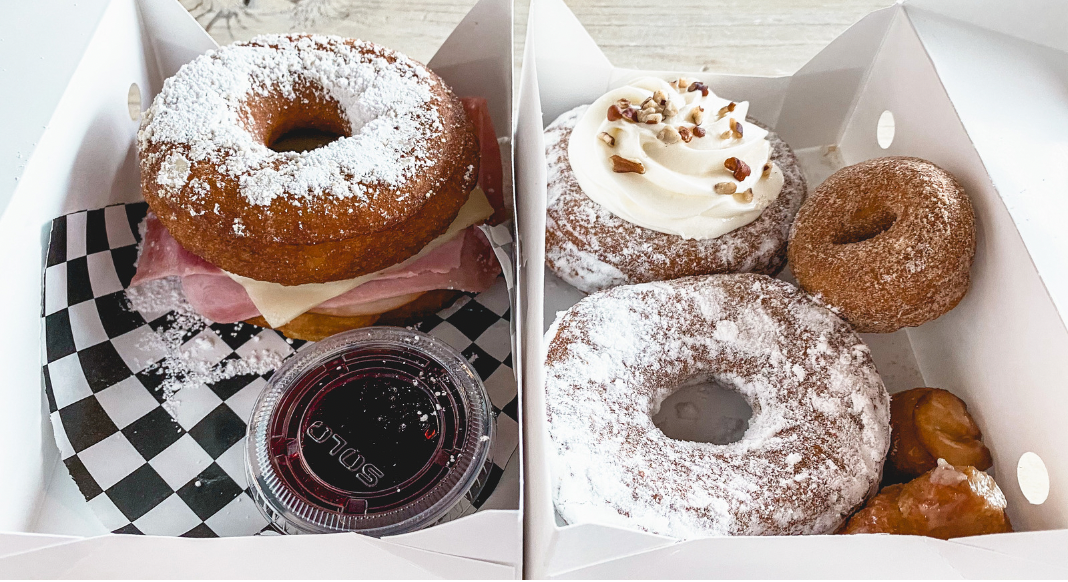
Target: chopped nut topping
point(660, 98)
point(739, 168)
point(736, 128)
point(670, 110)
point(699, 131)
point(607, 138)
point(744, 197)
point(697, 115)
point(649, 101)
point(698, 86)
point(615, 113)
point(767, 170)
point(649, 116)
point(728, 108)
point(623, 104)
point(622, 165)
point(669, 135)
point(725, 188)
point(682, 84)
point(685, 133)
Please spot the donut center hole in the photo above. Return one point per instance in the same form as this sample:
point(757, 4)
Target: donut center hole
point(706, 411)
point(303, 139)
point(307, 120)
point(866, 223)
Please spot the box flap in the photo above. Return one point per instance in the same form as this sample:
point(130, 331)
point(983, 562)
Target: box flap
point(13, 543)
point(1038, 546)
point(175, 38)
point(476, 59)
point(488, 535)
point(859, 556)
point(1033, 21)
point(334, 556)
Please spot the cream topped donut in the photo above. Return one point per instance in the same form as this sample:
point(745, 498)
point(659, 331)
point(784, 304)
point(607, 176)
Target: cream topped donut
point(677, 145)
point(814, 448)
point(662, 179)
point(403, 165)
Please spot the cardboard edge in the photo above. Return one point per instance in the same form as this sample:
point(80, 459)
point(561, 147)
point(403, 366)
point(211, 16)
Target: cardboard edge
point(167, 557)
point(530, 184)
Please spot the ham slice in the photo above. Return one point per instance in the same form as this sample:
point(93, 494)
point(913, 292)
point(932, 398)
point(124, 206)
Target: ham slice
point(476, 269)
point(464, 263)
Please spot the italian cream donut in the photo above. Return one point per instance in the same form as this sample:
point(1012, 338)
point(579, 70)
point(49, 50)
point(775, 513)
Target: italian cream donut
point(814, 448)
point(403, 167)
point(641, 192)
point(889, 242)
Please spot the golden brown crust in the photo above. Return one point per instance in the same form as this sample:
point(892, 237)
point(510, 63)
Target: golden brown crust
point(889, 242)
point(313, 239)
point(908, 457)
point(946, 502)
point(318, 326)
point(592, 249)
point(928, 424)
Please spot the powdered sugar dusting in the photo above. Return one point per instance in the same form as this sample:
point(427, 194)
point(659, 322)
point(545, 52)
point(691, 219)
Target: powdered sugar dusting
point(188, 363)
point(174, 172)
point(815, 444)
point(202, 109)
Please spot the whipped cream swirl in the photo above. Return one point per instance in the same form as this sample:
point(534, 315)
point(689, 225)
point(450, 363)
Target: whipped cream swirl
point(687, 187)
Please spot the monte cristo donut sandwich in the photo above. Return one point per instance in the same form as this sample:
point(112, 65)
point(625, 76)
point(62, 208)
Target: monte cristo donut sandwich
point(814, 448)
point(660, 179)
point(375, 225)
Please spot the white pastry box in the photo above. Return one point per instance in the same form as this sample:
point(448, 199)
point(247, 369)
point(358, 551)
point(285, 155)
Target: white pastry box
point(75, 82)
point(977, 87)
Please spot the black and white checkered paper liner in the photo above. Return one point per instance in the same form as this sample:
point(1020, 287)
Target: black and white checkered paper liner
point(179, 470)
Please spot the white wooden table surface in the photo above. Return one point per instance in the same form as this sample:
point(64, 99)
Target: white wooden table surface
point(758, 37)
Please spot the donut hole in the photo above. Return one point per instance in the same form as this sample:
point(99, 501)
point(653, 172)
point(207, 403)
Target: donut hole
point(310, 121)
point(303, 139)
point(866, 223)
point(704, 410)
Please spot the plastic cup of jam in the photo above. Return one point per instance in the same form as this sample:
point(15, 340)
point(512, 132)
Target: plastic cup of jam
point(379, 430)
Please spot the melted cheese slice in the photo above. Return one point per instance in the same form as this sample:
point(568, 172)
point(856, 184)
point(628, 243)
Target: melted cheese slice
point(279, 304)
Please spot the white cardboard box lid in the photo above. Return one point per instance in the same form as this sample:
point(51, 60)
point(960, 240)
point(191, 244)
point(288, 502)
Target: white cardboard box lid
point(565, 55)
point(475, 60)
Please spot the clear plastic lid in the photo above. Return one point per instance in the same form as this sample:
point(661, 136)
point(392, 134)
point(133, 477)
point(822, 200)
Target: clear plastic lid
point(379, 430)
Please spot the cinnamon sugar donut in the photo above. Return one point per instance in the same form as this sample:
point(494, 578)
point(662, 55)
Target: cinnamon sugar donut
point(590, 248)
point(404, 164)
point(814, 448)
point(888, 241)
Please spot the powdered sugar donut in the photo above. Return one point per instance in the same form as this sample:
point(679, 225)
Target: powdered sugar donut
point(815, 445)
point(404, 164)
point(591, 248)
